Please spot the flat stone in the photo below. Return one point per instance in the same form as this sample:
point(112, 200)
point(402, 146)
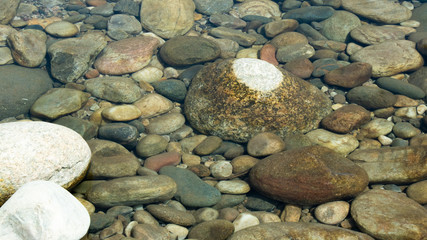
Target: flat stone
point(318, 175)
point(382, 11)
point(389, 215)
point(122, 133)
point(121, 113)
point(131, 191)
point(240, 37)
point(156, 162)
point(416, 191)
point(300, 67)
point(148, 74)
point(371, 34)
point(127, 7)
point(18, 43)
point(288, 38)
point(114, 89)
point(294, 51)
point(339, 26)
point(310, 14)
point(419, 79)
point(8, 10)
point(40, 151)
point(276, 27)
point(245, 220)
point(50, 212)
point(405, 130)
point(371, 97)
point(350, 76)
point(149, 232)
point(340, 143)
point(213, 7)
point(268, 54)
point(153, 104)
point(400, 87)
point(85, 128)
point(227, 21)
point(124, 22)
point(62, 29)
point(392, 165)
point(151, 145)
point(332, 212)
point(165, 123)
point(264, 8)
point(264, 144)
point(171, 215)
point(172, 89)
point(346, 119)
point(208, 146)
point(376, 127)
point(233, 186)
point(5, 56)
point(212, 230)
point(243, 163)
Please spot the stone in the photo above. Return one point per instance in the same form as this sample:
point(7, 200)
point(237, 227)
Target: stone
point(392, 165)
point(300, 67)
point(85, 128)
point(276, 27)
point(382, 11)
point(238, 36)
point(124, 22)
point(188, 50)
point(176, 231)
point(131, 191)
point(68, 63)
point(294, 51)
point(167, 19)
point(339, 26)
point(213, 7)
point(40, 151)
point(18, 43)
point(268, 54)
point(151, 145)
point(264, 144)
point(371, 97)
point(142, 216)
point(377, 127)
point(126, 56)
point(172, 89)
point(20, 87)
point(212, 230)
point(150, 232)
point(291, 213)
point(405, 130)
point(153, 104)
point(58, 102)
point(208, 146)
point(165, 123)
point(8, 10)
point(206, 214)
point(122, 133)
point(332, 212)
point(5, 56)
point(310, 14)
point(221, 169)
point(105, 10)
point(170, 215)
point(111, 160)
point(350, 76)
point(390, 57)
point(290, 230)
point(50, 212)
point(346, 119)
point(148, 74)
point(318, 175)
point(340, 143)
point(288, 38)
point(400, 87)
point(243, 163)
point(389, 215)
point(417, 192)
point(235, 186)
point(264, 8)
point(211, 106)
point(114, 89)
point(121, 113)
point(371, 34)
point(245, 220)
point(164, 159)
point(192, 191)
point(62, 29)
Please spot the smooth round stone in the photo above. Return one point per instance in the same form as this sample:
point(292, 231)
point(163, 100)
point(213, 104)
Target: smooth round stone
point(129, 191)
point(371, 97)
point(233, 187)
point(193, 160)
point(349, 76)
point(151, 145)
point(85, 128)
point(300, 67)
point(221, 169)
point(292, 213)
point(40, 151)
point(121, 133)
point(126, 23)
point(346, 119)
point(405, 130)
point(417, 192)
point(226, 20)
point(148, 231)
point(288, 38)
point(142, 216)
point(213, 7)
point(332, 212)
point(371, 34)
point(114, 89)
point(343, 144)
point(165, 123)
point(171, 215)
point(406, 112)
point(318, 175)
point(247, 53)
point(309, 14)
point(243, 163)
point(192, 191)
point(18, 43)
point(264, 8)
point(153, 104)
point(156, 162)
point(177, 232)
point(264, 144)
point(105, 10)
point(268, 54)
point(238, 36)
point(266, 217)
point(400, 87)
point(339, 26)
point(62, 29)
point(188, 144)
point(5, 56)
point(148, 74)
point(389, 215)
point(212, 230)
point(172, 89)
point(111, 160)
point(208, 146)
point(121, 113)
point(376, 127)
point(229, 200)
point(206, 214)
point(295, 51)
point(245, 220)
point(228, 214)
point(323, 66)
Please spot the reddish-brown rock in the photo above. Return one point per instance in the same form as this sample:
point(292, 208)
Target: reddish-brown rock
point(301, 67)
point(349, 76)
point(164, 159)
point(307, 176)
point(268, 53)
point(346, 119)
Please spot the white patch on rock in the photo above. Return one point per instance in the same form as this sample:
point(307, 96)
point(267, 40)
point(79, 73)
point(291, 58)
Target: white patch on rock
point(257, 74)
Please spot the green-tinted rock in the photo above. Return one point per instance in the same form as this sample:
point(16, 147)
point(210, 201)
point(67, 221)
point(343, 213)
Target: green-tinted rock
point(83, 127)
point(115, 89)
point(400, 87)
point(172, 89)
point(371, 97)
point(212, 230)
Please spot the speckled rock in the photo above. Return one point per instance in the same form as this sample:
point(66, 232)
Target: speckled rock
point(318, 175)
point(153, 104)
point(376, 127)
point(346, 119)
point(8, 10)
point(372, 34)
point(219, 106)
point(62, 29)
point(115, 89)
point(18, 43)
point(332, 212)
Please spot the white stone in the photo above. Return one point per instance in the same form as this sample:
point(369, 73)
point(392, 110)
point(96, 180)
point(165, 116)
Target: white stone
point(221, 169)
point(32, 151)
point(376, 128)
point(421, 109)
point(236, 186)
point(177, 232)
point(332, 212)
point(406, 112)
point(340, 143)
point(245, 220)
point(384, 140)
point(43, 210)
point(257, 74)
point(266, 217)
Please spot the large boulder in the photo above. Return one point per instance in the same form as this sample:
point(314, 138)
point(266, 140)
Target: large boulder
point(238, 98)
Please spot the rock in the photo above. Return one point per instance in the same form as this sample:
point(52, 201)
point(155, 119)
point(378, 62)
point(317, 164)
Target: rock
point(310, 14)
point(20, 87)
point(127, 7)
point(176, 231)
point(50, 212)
point(68, 63)
point(121, 113)
point(417, 192)
point(292, 213)
point(276, 27)
point(62, 29)
point(111, 160)
point(150, 232)
point(58, 102)
point(300, 67)
point(419, 79)
point(371, 34)
point(392, 165)
point(388, 215)
point(382, 11)
point(18, 43)
point(349, 76)
point(5, 56)
point(268, 54)
point(288, 38)
point(264, 8)
point(211, 106)
point(221, 169)
point(192, 191)
point(124, 22)
point(153, 104)
point(240, 37)
point(206, 214)
point(405, 130)
point(243, 163)
point(318, 175)
point(126, 56)
point(85, 128)
point(173, 89)
point(148, 74)
point(188, 50)
point(400, 87)
point(390, 57)
point(245, 220)
point(166, 123)
point(170, 215)
point(264, 144)
point(8, 10)
point(122, 133)
point(167, 19)
point(164, 159)
point(131, 191)
point(291, 230)
point(40, 151)
point(346, 119)
point(342, 144)
point(235, 186)
point(332, 212)
point(339, 26)
point(114, 89)
point(212, 230)
point(377, 127)
point(371, 97)
point(294, 51)
point(213, 7)
point(208, 146)
point(151, 145)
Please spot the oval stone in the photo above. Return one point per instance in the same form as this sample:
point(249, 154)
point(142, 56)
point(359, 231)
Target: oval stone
point(317, 175)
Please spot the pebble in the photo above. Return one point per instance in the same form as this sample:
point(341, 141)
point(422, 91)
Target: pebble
point(221, 169)
point(121, 113)
point(166, 123)
point(243, 163)
point(151, 145)
point(153, 104)
point(405, 130)
point(158, 161)
point(382, 11)
point(332, 212)
point(417, 191)
point(233, 187)
point(172, 89)
point(177, 232)
point(121, 133)
point(208, 146)
point(343, 144)
point(376, 127)
point(148, 231)
point(291, 213)
point(212, 230)
point(114, 89)
point(339, 25)
point(24, 56)
point(245, 220)
point(170, 215)
point(350, 76)
point(62, 29)
point(346, 119)
point(264, 144)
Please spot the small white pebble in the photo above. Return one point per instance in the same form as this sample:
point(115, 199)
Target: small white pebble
point(337, 106)
point(421, 109)
point(333, 94)
point(324, 89)
point(384, 140)
point(408, 5)
point(410, 23)
point(245, 220)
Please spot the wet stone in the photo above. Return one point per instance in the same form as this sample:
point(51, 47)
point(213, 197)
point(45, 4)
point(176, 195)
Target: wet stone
point(171, 215)
point(371, 97)
point(172, 89)
point(151, 145)
point(417, 192)
point(346, 119)
point(126, 23)
point(166, 123)
point(264, 144)
point(405, 130)
point(400, 87)
point(62, 29)
point(212, 230)
point(310, 14)
point(121, 133)
point(209, 145)
point(83, 127)
point(115, 89)
point(127, 7)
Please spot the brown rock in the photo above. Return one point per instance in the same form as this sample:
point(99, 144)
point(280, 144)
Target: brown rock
point(150, 232)
point(419, 140)
point(264, 144)
point(417, 192)
point(96, 3)
point(393, 165)
point(276, 27)
point(300, 67)
point(383, 11)
point(288, 38)
point(126, 56)
point(371, 34)
point(93, 73)
point(268, 53)
point(317, 175)
point(243, 163)
point(164, 159)
point(24, 55)
point(8, 10)
point(349, 76)
point(209, 145)
point(346, 119)
point(171, 215)
point(422, 46)
point(212, 230)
